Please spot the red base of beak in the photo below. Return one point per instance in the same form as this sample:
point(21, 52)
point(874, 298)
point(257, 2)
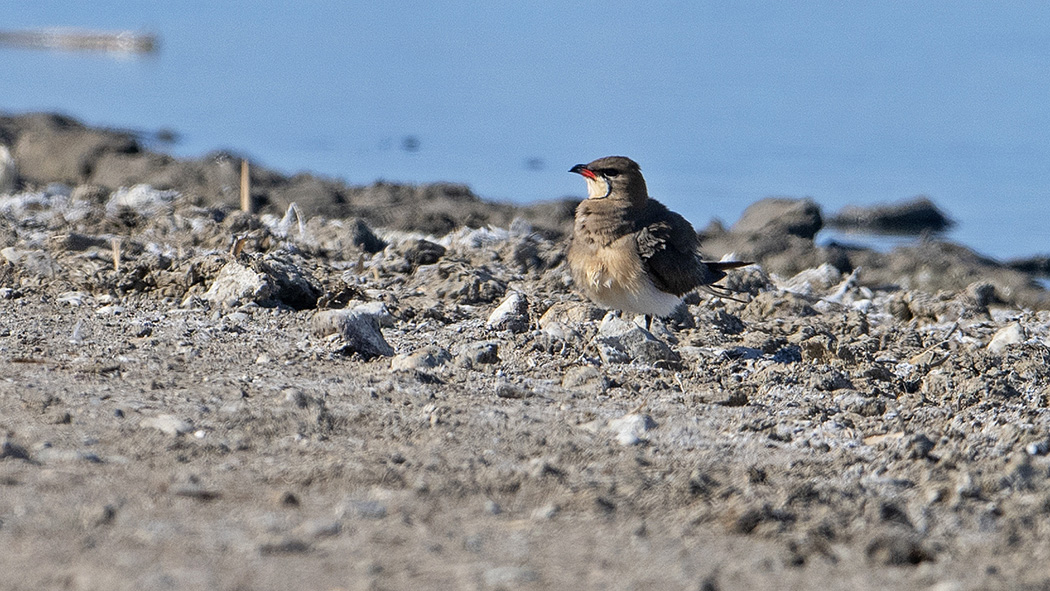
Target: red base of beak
point(583, 170)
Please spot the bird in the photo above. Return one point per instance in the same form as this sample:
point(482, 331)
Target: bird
point(631, 253)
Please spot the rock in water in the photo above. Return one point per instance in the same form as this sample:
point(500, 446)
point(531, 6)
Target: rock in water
point(907, 217)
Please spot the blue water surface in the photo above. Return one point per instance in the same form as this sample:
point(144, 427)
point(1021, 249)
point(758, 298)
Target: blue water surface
point(721, 103)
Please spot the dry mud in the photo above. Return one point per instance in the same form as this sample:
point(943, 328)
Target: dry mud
point(198, 398)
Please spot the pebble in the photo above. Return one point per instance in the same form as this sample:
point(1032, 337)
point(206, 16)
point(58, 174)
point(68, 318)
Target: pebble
point(813, 281)
point(99, 515)
point(474, 354)
point(1011, 334)
point(428, 357)
point(296, 397)
point(630, 429)
point(897, 549)
point(563, 332)
point(284, 546)
point(1038, 448)
point(571, 314)
point(512, 314)
point(358, 332)
point(320, 528)
point(73, 298)
point(237, 284)
point(168, 424)
point(51, 454)
point(620, 341)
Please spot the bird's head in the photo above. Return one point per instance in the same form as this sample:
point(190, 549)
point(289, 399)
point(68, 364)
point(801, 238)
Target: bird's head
point(614, 177)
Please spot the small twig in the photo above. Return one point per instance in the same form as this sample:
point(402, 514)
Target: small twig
point(115, 244)
point(246, 196)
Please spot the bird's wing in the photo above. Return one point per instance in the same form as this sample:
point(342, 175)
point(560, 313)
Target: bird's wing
point(669, 256)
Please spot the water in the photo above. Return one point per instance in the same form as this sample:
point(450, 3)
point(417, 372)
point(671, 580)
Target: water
point(722, 104)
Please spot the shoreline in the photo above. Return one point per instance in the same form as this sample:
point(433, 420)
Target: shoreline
point(401, 389)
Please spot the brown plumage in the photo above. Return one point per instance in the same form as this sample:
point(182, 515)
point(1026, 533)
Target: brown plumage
point(628, 251)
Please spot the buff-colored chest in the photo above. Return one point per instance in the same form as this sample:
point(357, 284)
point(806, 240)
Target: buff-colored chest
point(611, 273)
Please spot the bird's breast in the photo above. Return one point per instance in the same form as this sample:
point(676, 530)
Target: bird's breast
point(615, 265)
point(613, 276)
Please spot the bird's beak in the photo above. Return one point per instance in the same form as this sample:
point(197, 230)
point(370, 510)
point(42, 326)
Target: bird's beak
point(582, 169)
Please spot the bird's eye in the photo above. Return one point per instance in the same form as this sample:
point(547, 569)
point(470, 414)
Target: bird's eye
point(611, 172)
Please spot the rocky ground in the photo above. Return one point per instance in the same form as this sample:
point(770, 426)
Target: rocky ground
point(195, 397)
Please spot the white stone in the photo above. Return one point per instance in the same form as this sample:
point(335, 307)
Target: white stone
point(1011, 334)
point(512, 313)
point(630, 429)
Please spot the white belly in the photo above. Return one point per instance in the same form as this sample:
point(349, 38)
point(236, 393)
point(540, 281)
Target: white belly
point(640, 298)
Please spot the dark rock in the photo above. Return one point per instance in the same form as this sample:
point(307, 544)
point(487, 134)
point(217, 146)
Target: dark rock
point(1038, 265)
point(363, 237)
point(780, 216)
point(907, 217)
point(422, 252)
point(293, 285)
point(12, 450)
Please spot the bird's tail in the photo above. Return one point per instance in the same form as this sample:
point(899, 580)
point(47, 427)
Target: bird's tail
point(719, 269)
point(727, 265)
